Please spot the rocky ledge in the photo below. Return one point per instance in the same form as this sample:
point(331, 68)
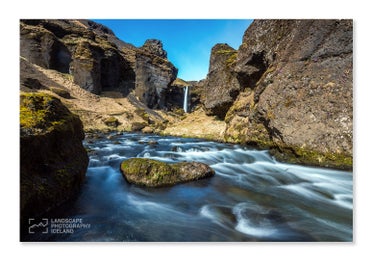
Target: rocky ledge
point(53, 159)
point(153, 173)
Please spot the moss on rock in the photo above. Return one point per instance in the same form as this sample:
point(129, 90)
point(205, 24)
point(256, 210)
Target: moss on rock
point(112, 122)
point(53, 159)
point(42, 113)
point(306, 156)
point(153, 173)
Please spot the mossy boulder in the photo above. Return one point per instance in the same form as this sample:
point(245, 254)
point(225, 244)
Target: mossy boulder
point(53, 159)
point(112, 122)
point(153, 173)
point(138, 126)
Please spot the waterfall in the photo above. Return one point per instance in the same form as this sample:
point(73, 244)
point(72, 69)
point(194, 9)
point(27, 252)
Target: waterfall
point(186, 94)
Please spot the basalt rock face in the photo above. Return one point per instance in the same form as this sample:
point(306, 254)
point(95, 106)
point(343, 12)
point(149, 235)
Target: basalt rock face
point(221, 86)
point(42, 47)
point(84, 49)
point(154, 74)
point(97, 60)
point(297, 78)
point(53, 159)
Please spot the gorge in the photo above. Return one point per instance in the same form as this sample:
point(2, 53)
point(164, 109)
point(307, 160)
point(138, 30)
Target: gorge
point(273, 119)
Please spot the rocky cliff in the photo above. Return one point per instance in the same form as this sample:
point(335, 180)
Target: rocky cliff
point(97, 60)
point(297, 90)
point(287, 88)
point(154, 74)
point(221, 84)
point(53, 159)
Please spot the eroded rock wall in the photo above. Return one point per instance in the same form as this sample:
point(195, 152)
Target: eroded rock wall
point(221, 85)
point(154, 74)
point(298, 99)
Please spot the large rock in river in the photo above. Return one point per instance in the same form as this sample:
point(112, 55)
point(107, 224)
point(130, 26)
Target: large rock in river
point(53, 159)
point(153, 173)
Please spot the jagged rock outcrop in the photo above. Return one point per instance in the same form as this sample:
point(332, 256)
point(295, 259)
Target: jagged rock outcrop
point(154, 74)
point(297, 77)
point(53, 159)
point(221, 86)
point(40, 46)
point(97, 60)
point(73, 47)
point(153, 173)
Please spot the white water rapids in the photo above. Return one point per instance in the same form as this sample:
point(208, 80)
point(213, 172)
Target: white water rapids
point(251, 197)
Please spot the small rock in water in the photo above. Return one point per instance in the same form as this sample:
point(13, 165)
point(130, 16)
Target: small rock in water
point(176, 149)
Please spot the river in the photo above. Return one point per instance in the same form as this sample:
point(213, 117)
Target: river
point(252, 197)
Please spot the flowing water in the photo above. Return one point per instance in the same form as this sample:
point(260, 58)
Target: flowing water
point(251, 197)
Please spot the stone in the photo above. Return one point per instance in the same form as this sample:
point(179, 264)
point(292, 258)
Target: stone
point(41, 47)
point(97, 60)
point(61, 92)
point(154, 47)
point(154, 74)
point(82, 48)
point(111, 122)
point(147, 129)
point(31, 83)
point(52, 158)
point(221, 86)
point(297, 78)
point(138, 126)
point(153, 173)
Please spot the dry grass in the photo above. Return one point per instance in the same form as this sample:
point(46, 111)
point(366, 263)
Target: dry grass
point(197, 124)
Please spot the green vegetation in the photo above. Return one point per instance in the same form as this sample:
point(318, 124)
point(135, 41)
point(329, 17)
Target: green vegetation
point(137, 126)
point(153, 173)
point(147, 171)
point(232, 59)
point(226, 51)
point(112, 121)
point(231, 56)
point(43, 113)
point(143, 114)
point(306, 156)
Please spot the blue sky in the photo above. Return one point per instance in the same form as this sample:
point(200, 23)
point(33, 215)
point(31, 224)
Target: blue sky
point(188, 42)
